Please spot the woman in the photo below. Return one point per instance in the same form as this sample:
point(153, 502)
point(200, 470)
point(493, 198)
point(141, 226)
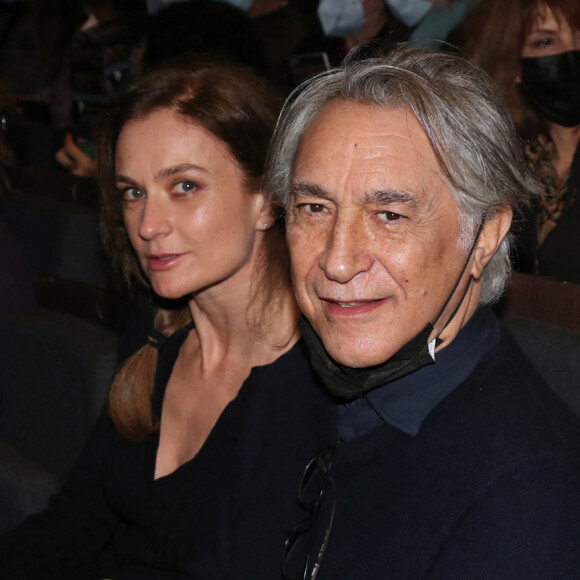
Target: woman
point(531, 48)
point(195, 472)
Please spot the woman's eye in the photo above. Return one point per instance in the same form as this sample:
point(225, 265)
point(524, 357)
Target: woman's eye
point(132, 193)
point(185, 187)
point(543, 42)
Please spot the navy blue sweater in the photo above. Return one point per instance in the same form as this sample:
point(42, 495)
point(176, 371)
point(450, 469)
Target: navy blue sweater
point(488, 488)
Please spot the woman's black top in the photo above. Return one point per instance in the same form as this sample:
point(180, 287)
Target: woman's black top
point(225, 513)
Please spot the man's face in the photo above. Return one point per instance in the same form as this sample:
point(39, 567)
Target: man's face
point(373, 231)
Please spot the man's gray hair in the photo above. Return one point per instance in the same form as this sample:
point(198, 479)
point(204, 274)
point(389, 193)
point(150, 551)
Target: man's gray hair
point(462, 114)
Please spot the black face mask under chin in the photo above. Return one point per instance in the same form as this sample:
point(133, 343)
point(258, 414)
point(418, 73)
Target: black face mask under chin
point(351, 383)
point(551, 84)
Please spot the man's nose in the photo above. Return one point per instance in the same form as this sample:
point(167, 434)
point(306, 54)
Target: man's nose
point(347, 253)
point(155, 218)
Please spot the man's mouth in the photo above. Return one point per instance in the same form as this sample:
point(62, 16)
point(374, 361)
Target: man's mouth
point(354, 304)
point(351, 307)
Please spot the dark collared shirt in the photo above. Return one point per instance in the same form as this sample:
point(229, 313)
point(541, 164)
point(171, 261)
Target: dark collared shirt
point(406, 402)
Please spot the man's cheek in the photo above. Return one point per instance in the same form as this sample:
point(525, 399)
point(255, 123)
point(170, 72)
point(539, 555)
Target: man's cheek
point(301, 248)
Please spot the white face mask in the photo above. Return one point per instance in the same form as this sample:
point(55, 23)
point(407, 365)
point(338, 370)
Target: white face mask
point(410, 12)
point(340, 17)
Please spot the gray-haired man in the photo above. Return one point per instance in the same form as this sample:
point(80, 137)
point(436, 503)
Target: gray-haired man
point(400, 175)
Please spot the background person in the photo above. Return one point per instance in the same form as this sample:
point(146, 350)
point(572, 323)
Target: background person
point(452, 459)
point(531, 49)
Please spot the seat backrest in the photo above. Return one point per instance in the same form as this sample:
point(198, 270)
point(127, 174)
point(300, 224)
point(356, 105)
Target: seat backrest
point(58, 238)
point(554, 351)
point(93, 303)
point(543, 314)
point(25, 487)
point(56, 370)
point(542, 298)
point(59, 185)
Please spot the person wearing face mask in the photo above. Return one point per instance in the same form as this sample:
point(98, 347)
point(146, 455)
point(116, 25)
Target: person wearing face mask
point(349, 23)
point(422, 22)
point(531, 48)
point(432, 20)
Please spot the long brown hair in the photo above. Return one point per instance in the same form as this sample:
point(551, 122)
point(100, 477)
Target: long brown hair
point(240, 109)
point(493, 36)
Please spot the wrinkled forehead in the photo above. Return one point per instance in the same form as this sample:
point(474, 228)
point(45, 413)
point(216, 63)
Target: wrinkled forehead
point(370, 137)
point(360, 155)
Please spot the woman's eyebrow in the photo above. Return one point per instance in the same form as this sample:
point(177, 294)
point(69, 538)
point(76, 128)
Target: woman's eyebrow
point(120, 178)
point(181, 168)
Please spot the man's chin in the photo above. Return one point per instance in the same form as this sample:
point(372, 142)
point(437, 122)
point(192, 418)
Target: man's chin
point(358, 359)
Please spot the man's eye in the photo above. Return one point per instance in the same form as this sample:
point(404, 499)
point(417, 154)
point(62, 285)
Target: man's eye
point(185, 187)
point(310, 208)
point(132, 193)
point(390, 216)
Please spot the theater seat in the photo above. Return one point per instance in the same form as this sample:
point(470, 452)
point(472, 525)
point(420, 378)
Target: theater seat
point(56, 370)
point(58, 238)
point(555, 353)
point(543, 314)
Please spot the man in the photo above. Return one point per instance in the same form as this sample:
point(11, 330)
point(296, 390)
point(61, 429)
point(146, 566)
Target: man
point(400, 175)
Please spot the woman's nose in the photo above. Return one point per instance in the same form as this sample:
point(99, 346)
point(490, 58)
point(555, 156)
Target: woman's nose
point(155, 218)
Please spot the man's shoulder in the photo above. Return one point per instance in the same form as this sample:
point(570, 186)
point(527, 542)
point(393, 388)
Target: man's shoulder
point(488, 479)
point(505, 408)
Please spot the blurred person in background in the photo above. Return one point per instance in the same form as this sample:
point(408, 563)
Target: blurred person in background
point(175, 31)
point(531, 49)
point(432, 21)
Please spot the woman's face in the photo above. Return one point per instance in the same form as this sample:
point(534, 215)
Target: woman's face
point(550, 36)
point(190, 220)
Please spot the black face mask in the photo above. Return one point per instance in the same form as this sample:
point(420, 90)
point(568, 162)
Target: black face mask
point(551, 84)
point(351, 383)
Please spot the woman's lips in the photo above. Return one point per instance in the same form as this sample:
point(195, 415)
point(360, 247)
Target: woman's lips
point(352, 307)
point(160, 262)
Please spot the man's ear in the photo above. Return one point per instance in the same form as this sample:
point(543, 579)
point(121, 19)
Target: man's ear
point(492, 234)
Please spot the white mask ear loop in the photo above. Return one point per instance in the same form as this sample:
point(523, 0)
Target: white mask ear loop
point(433, 343)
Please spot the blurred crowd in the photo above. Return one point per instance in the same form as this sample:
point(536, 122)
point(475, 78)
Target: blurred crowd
point(62, 61)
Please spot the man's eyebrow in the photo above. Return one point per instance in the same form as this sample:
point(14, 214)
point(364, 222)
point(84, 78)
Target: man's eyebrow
point(390, 195)
point(376, 196)
point(305, 189)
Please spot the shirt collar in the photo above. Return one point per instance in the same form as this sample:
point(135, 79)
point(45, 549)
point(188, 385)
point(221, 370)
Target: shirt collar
point(406, 402)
